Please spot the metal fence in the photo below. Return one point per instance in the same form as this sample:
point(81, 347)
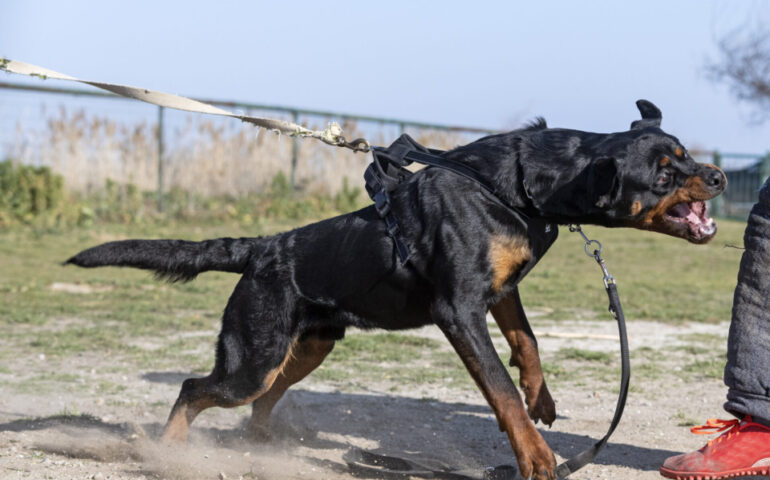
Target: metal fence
point(746, 173)
point(91, 137)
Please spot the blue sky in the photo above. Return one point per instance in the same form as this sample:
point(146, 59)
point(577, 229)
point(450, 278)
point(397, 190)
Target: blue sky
point(579, 64)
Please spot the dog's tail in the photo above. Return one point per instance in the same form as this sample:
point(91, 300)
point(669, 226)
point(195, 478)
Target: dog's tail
point(172, 260)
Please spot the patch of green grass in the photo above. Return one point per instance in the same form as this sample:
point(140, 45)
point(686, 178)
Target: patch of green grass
point(659, 277)
point(107, 387)
point(584, 355)
point(647, 371)
point(682, 420)
point(553, 370)
point(392, 357)
point(707, 368)
point(705, 340)
point(381, 347)
point(57, 376)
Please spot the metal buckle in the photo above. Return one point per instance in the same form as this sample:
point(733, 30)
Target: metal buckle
point(382, 202)
point(391, 224)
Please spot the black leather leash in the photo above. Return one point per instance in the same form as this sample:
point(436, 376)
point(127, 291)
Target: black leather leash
point(585, 457)
point(384, 173)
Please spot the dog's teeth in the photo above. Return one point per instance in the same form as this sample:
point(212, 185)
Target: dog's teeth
point(709, 227)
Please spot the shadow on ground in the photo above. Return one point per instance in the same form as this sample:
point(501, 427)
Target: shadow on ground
point(458, 434)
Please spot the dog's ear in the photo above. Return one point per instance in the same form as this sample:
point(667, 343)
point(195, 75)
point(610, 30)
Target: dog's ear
point(552, 192)
point(651, 115)
point(603, 180)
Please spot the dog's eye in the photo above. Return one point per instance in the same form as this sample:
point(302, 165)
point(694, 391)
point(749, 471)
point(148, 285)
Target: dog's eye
point(664, 177)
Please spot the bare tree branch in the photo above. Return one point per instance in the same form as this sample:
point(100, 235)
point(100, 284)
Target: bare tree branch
point(744, 65)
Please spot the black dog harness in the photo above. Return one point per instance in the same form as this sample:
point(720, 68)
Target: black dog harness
point(382, 176)
point(387, 171)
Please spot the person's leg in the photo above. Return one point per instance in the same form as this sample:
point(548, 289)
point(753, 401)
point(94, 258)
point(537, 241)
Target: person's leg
point(747, 373)
point(744, 447)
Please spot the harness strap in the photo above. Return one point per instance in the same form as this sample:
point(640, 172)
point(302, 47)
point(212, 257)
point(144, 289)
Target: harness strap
point(387, 171)
point(379, 193)
point(457, 167)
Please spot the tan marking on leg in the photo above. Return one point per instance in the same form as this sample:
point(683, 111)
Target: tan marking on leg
point(178, 425)
point(306, 357)
point(510, 317)
point(507, 255)
point(533, 455)
point(636, 207)
point(267, 383)
point(182, 415)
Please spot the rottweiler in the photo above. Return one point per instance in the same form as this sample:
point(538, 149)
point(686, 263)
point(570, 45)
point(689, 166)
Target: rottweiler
point(301, 289)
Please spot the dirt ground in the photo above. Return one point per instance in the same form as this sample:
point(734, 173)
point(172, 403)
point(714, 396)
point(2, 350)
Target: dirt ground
point(79, 432)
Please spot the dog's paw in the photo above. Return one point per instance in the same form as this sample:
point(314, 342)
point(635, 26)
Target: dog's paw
point(259, 434)
point(535, 458)
point(540, 404)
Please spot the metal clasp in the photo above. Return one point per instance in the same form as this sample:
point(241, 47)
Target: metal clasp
point(357, 145)
point(597, 253)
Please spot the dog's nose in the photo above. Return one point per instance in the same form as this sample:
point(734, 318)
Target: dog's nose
point(715, 179)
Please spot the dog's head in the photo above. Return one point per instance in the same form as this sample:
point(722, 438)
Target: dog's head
point(642, 178)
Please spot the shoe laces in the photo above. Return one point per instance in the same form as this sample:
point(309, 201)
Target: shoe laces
point(716, 425)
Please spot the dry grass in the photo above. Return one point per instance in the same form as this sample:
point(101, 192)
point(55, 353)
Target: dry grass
point(203, 155)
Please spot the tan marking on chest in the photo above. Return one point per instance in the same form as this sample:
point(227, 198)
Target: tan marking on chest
point(507, 255)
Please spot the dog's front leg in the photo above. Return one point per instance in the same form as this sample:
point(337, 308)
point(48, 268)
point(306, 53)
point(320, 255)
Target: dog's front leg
point(511, 319)
point(468, 334)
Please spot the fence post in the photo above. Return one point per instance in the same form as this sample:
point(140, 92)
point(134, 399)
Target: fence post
point(764, 169)
point(294, 152)
point(160, 159)
point(717, 204)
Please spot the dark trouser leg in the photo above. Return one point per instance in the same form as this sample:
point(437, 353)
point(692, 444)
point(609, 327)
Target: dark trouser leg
point(747, 373)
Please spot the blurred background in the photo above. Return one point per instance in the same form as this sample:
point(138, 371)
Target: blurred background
point(444, 75)
point(78, 167)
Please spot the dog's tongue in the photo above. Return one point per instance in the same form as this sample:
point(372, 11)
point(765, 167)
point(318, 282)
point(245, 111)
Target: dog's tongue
point(681, 210)
point(694, 214)
point(693, 217)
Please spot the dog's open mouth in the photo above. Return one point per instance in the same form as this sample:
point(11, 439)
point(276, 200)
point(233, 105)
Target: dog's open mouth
point(693, 215)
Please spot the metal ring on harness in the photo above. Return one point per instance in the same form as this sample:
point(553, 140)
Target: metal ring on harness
point(595, 252)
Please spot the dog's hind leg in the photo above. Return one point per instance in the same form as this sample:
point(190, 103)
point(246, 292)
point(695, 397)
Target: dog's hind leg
point(306, 356)
point(252, 350)
point(511, 319)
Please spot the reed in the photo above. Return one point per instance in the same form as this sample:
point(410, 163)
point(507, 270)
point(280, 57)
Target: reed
point(205, 156)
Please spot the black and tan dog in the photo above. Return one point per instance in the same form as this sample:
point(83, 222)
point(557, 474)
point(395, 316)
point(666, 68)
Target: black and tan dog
point(301, 289)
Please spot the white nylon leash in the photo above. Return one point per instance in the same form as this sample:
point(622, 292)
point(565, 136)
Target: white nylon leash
point(332, 135)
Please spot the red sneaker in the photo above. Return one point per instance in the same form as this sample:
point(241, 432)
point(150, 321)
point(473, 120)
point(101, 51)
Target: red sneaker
point(743, 449)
